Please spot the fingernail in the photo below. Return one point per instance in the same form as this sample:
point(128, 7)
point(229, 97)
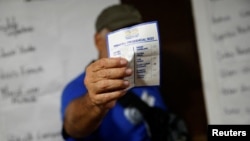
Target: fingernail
point(123, 62)
point(128, 71)
point(126, 83)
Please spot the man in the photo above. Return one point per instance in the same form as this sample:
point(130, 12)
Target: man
point(90, 110)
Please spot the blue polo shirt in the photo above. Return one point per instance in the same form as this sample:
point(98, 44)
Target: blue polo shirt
point(120, 124)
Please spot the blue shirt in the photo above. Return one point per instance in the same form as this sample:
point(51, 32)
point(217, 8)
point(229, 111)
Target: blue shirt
point(120, 124)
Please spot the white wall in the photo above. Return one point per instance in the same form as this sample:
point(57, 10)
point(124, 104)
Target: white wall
point(43, 45)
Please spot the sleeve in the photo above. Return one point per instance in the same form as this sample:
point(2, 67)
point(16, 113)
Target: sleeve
point(72, 90)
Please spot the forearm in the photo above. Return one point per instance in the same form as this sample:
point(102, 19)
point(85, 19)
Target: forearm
point(105, 84)
point(83, 117)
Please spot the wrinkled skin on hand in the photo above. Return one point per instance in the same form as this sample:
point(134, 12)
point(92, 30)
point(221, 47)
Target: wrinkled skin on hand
point(105, 81)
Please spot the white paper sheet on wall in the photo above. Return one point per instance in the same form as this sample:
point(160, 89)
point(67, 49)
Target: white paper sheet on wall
point(223, 33)
point(42, 47)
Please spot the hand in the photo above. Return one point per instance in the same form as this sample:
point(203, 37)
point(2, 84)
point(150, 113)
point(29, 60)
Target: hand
point(105, 81)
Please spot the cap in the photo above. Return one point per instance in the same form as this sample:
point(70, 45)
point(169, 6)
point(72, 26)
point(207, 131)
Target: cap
point(117, 16)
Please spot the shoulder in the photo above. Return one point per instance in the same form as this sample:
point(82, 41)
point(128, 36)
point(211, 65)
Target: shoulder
point(75, 87)
point(78, 80)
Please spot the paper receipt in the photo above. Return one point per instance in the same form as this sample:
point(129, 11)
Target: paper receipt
point(139, 44)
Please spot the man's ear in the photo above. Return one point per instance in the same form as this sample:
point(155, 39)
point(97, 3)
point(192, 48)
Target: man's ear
point(98, 40)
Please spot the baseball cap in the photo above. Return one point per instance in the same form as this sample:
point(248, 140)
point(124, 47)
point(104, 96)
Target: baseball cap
point(117, 16)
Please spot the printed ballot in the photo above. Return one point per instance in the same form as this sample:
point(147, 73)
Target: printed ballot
point(139, 44)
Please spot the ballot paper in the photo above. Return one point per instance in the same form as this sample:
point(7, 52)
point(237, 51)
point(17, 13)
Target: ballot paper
point(139, 44)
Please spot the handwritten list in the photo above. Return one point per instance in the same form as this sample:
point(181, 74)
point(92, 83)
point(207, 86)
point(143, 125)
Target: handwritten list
point(223, 33)
point(23, 62)
point(42, 45)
